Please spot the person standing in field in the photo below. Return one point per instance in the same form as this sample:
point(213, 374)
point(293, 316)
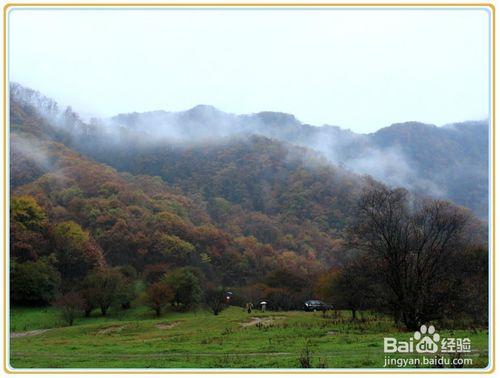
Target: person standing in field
point(263, 305)
point(249, 307)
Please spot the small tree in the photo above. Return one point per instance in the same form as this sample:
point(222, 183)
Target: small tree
point(354, 286)
point(158, 295)
point(88, 296)
point(127, 292)
point(186, 285)
point(102, 289)
point(176, 250)
point(27, 212)
point(71, 305)
point(33, 282)
point(76, 253)
point(215, 299)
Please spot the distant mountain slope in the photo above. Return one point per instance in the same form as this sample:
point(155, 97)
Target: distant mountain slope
point(237, 202)
point(451, 160)
point(447, 162)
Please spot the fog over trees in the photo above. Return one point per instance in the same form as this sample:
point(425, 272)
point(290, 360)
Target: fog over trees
point(174, 209)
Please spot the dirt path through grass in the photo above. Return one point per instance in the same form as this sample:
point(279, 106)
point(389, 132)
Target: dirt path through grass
point(233, 339)
point(262, 321)
point(15, 335)
point(166, 325)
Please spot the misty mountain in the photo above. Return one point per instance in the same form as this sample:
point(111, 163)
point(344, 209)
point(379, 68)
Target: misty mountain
point(448, 162)
point(239, 207)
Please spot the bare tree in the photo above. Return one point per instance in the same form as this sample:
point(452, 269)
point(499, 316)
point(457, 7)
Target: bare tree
point(215, 299)
point(71, 305)
point(355, 285)
point(410, 241)
point(158, 295)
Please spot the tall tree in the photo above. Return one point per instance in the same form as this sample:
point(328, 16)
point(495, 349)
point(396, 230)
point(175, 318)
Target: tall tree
point(410, 241)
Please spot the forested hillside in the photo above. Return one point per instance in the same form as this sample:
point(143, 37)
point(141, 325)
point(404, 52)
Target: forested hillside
point(238, 211)
point(449, 162)
point(256, 203)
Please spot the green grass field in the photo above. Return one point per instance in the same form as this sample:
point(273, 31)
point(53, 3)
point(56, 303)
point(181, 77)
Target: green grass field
point(234, 339)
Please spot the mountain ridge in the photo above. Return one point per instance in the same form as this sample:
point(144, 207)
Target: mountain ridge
point(449, 161)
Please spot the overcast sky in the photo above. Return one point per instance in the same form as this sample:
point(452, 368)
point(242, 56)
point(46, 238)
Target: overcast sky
point(358, 69)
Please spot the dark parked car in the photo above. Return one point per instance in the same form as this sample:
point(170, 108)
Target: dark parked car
point(314, 305)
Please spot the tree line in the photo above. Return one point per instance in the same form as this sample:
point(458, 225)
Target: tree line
point(415, 259)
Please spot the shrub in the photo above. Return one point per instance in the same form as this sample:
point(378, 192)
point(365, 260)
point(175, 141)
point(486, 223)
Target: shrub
point(33, 282)
point(186, 285)
point(215, 299)
point(158, 295)
point(71, 305)
point(305, 358)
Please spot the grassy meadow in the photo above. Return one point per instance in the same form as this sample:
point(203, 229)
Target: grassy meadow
point(135, 338)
